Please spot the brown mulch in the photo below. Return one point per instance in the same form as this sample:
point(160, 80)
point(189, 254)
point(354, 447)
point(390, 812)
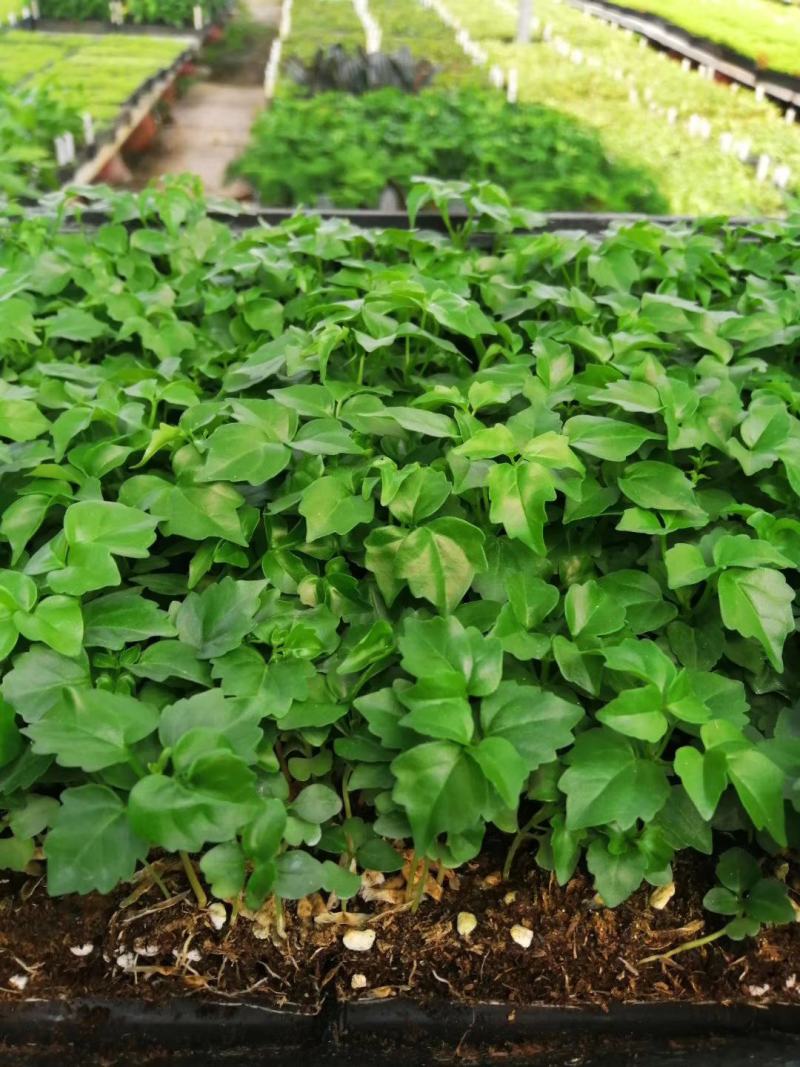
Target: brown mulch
point(137, 943)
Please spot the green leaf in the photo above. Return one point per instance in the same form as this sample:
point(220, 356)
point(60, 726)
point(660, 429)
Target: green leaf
point(531, 598)
point(591, 612)
point(503, 766)
point(439, 561)
point(316, 803)
point(611, 439)
point(91, 847)
point(243, 453)
point(607, 782)
point(298, 875)
point(35, 684)
point(74, 325)
point(704, 777)
point(237, 721)
point(121, 530)
point(642, 659)
point(436, 648)
point(215, 621)
point(686, 566)
point(758, 603)
point(657, 485)
point(378, 855)
point(636, 713)
point(330, 507)
point(768, 902)
point(16, 853)
point(535, 722)
point(263, 836)
point(440, 789)
point(738, 871)
point(171, 659)
point(20, 521)
point(338, 880)
point(616, 874)
point(223, 867)
point(209, 804)
point(117, 619)
point(21, 420)
point(518, 495)
point(759, 783)
point(739, 550)
point(437, 707)
point(57, 622)
point(92, 728)
point(10, 738)
point(89, 567)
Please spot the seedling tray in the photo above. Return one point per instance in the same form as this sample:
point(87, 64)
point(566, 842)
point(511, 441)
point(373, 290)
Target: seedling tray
point(667, 35)
point(379, 1033)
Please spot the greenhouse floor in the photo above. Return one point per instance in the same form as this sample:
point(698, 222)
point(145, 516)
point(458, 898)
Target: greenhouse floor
point(210, 125)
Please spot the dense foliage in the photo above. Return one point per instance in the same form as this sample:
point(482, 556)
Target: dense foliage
point(165, 12)
point(29, 122)
point(346, 149)
point(336, 68)
point(317, 540)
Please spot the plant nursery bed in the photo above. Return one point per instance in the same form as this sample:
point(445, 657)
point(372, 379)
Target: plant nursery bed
point(725, 60)
point(392, 671)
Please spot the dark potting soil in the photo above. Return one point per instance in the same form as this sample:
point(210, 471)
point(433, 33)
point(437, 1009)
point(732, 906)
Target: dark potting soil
point(138, 943)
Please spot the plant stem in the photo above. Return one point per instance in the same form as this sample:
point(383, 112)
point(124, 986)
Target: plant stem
point(280, 921)
point(521, 835)
point(136, 764)
point(194, 881)
point(411, 875)
point(158, 880)
point(348, 808)
point(420, 886)
point(697, 943)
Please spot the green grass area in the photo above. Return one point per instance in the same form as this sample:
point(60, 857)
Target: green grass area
point(762, 30)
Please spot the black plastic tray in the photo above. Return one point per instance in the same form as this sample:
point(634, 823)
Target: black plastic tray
point(382, 1033)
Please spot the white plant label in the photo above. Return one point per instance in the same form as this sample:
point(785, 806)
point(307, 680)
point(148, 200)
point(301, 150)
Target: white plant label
point(512, 83)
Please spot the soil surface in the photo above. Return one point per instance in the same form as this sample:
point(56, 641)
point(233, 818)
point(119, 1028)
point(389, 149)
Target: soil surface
point(155, 942)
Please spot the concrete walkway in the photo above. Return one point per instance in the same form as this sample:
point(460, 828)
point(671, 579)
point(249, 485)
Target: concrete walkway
point(209, 128)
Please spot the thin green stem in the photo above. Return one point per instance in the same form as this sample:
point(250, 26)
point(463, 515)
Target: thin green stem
point(136, 764)
point(687, 946)
point(158, 880)
point(419, 889)
point(348, 809)
point(523, 834)
point(194, 881)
